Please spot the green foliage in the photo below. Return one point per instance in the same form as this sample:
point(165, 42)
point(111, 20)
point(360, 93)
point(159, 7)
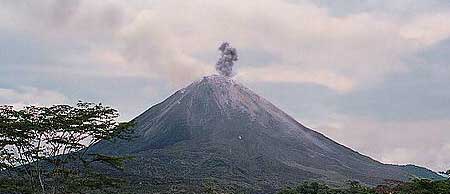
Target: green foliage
point(114, 161)
point(43, 146)
point(14, 185)
point(211, 187)
point(307, 188)
point(82, 183)
point(424, 186)
point(418, 186)
point(318, 188)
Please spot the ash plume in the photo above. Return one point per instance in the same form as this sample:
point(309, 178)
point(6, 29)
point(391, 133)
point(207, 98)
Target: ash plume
point(226, 61)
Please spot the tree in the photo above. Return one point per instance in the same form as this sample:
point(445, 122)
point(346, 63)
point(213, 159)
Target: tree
point(308, 188)
point(352, 187)
point(416, 186)
point(47, 146)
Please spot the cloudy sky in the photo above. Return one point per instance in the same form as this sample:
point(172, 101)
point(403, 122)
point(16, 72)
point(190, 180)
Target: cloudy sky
point(372, 74)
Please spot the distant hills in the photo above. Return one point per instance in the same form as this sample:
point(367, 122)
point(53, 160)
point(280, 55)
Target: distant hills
point(421, 172)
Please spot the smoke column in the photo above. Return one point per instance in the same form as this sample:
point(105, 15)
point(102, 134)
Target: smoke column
point(226, 61)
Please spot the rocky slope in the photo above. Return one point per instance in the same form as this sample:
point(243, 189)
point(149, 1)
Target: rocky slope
point(217, 129)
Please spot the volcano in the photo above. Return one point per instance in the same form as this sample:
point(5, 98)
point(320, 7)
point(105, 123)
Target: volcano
point(217, 129)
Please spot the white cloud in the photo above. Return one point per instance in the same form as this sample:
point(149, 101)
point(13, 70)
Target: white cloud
point(428, 29)
point(421, 142)
point(24, 96)
point(277, 73)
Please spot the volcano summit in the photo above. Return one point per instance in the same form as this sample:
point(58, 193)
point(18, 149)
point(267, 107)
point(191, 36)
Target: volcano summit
point(217, 129)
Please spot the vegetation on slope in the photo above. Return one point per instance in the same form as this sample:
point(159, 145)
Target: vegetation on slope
point(421, 172)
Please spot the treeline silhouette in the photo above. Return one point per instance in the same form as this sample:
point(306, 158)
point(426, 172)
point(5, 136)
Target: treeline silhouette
point(417, 186)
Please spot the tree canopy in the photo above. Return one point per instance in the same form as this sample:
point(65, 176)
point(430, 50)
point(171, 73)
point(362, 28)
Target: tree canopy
point(417, 186)
point(45, 145)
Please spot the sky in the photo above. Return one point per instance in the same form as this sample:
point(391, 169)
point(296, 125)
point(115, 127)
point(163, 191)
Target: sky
point(373, 75)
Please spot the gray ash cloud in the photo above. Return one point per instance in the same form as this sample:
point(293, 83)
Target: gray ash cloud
point(226, 61)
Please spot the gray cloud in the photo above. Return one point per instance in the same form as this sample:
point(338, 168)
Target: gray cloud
point(400, 8)
point(162, 38)
point(227, 58)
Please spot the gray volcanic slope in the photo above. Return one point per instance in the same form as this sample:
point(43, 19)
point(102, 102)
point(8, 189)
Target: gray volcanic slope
point(217, 128)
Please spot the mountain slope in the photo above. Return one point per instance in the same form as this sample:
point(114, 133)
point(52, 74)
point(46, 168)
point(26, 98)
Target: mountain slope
point(421, 172)
point(216, 128)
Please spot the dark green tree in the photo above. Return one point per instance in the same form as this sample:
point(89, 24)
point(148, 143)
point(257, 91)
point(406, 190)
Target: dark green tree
point(308, 188)
point(417, 186)
point(318, 188)
point(48, 148)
